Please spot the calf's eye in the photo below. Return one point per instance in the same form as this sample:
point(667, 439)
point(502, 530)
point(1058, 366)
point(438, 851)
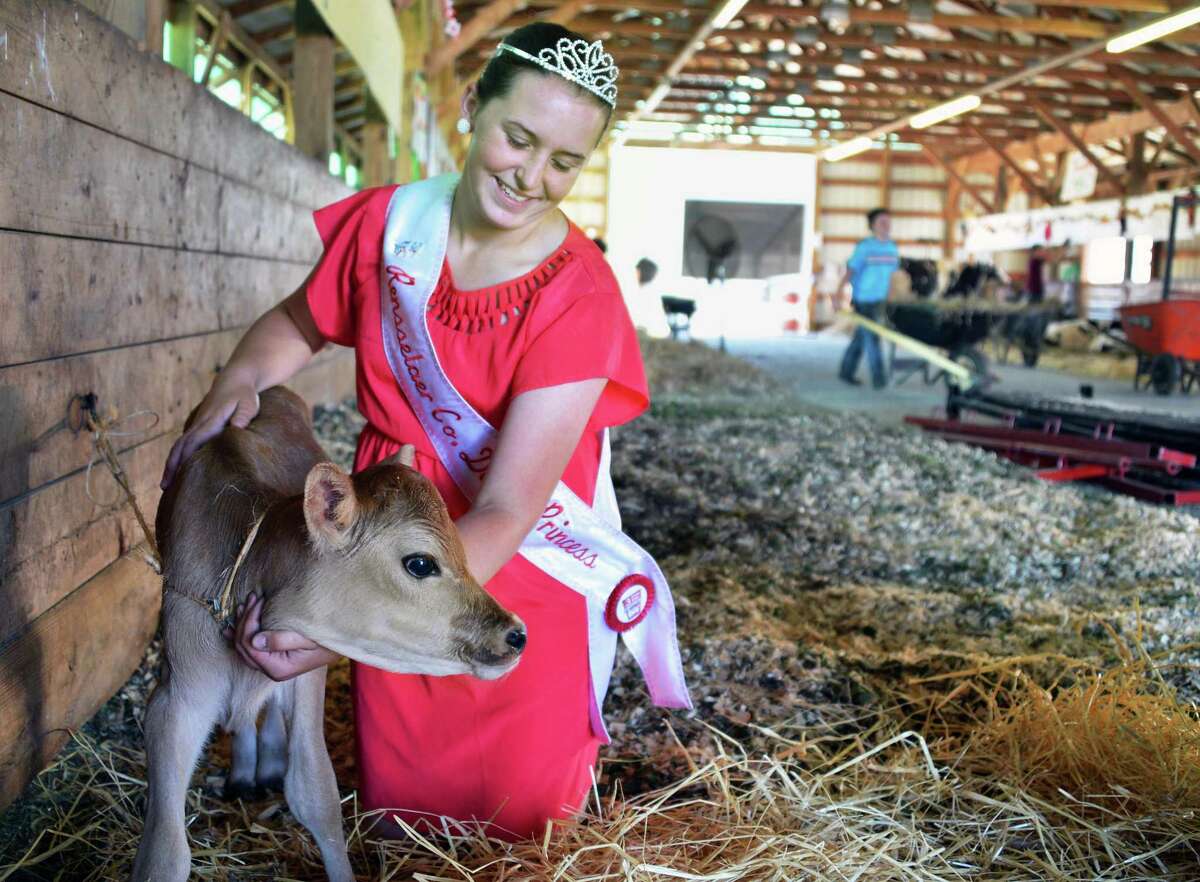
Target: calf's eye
point(421, 566)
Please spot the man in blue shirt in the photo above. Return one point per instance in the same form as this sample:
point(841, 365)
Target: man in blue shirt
point(869, 272)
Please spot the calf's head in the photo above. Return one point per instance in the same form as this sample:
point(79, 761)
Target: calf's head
point(389, 584)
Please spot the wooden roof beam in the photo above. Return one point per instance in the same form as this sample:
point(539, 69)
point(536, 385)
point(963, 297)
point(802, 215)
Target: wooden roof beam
point(249, 7)
point(282, 32)
point(1085, 29)
point(789, 83)
point(659, 6)
point(1110, 73)
point(236, 35)
point(986, 47)
point(1157, 7)
point(698, 67)
point(1152, 107)
point(1027, 179)
point(978, 196)
point(473, 31)
point(763, 9)
point(1112, 127)
point(695, 119)
point(562, 14)
point(1066, 131)
point(861, 112)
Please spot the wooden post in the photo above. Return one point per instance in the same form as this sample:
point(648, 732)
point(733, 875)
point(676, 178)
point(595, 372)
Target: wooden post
point(181, 51)
point(1060, 171)
point(414, 30)
point(215, 46)
point(376, 140)
point(313, 83)
point(952, 196)
point(156, 17)
point(885, 173)
point(247, 84)
point(1137, 163)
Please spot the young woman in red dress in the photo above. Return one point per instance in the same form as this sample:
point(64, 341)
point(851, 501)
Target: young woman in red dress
point(531, 328)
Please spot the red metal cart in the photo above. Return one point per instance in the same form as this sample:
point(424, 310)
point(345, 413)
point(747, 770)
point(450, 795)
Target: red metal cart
point(1166, 334)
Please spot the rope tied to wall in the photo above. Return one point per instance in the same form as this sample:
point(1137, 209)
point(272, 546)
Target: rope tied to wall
point(102, 429)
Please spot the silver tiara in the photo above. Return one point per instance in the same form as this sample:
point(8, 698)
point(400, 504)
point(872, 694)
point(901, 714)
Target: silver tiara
point(584, 64)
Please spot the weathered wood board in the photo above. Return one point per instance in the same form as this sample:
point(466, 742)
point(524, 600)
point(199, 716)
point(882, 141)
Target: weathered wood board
point(67, 295)
point(62, 57)
point(54, 535)
point(143, 225)
point(59, 671)
point(63, 178)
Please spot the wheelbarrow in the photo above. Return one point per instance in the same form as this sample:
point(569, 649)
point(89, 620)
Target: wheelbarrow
point(955, 374)
point(1166, 334)
point(956, 331)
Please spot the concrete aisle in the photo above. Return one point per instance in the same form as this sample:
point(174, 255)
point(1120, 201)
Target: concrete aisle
point(809, 366)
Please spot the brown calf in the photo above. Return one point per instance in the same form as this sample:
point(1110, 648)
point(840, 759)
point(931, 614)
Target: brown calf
point(368, 565)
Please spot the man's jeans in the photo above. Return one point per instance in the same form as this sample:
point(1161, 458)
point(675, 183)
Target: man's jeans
point(864, 338)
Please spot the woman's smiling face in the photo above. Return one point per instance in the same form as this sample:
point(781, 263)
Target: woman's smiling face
point(528, 147)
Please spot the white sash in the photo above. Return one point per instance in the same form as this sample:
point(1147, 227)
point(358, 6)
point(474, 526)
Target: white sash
point(579, 545)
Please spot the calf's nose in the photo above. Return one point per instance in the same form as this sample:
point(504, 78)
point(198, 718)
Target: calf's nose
point(516, 639)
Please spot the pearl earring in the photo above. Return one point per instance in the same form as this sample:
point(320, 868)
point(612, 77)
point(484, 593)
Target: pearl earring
point(463, 125)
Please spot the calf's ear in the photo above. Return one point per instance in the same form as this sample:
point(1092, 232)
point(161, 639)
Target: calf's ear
point(404, 456)
point(330, 506)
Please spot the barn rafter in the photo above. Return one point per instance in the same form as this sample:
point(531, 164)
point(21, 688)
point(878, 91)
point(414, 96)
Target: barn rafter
point(930, 52)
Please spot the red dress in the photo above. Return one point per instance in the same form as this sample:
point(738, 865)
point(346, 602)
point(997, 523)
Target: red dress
point(519, 750)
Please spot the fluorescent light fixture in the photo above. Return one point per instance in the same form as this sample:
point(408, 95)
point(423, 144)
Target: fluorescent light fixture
point(847, 149)
point(727, 14)
point(1156, 30)
point(942, 112)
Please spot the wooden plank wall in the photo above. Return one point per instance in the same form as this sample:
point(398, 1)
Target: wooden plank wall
point(143, 225)
point(911, 187)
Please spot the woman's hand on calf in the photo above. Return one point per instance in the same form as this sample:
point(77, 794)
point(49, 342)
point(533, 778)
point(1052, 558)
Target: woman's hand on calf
point(281, 655)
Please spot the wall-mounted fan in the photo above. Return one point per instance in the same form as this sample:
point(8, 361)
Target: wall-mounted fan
point(711, 249)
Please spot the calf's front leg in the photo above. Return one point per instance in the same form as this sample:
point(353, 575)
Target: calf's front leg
point(176, 729)
point(310, 785)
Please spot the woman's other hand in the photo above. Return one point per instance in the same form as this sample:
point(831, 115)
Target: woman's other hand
point(231, 401)
point(281, 342)
point(281, 655)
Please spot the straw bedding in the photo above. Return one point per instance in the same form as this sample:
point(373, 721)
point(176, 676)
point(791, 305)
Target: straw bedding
point(908, 662)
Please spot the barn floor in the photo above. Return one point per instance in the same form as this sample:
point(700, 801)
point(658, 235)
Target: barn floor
point(839, 582)
point(808, 365)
